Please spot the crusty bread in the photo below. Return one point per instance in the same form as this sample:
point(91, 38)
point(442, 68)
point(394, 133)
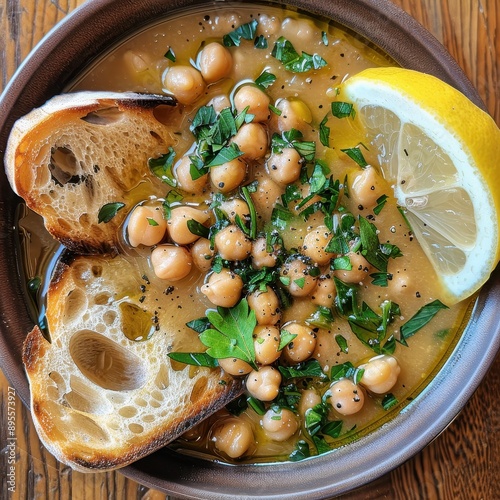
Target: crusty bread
point(81, 151)
point(100, 400)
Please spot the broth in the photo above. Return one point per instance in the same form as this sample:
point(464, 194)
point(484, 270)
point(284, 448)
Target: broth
point(140, 64)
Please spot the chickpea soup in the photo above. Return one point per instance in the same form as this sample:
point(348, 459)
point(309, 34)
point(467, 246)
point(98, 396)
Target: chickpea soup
point(280, 246)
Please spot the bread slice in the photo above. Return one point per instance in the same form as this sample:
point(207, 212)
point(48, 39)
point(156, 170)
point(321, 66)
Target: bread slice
point(82, 150)
point(101, 395)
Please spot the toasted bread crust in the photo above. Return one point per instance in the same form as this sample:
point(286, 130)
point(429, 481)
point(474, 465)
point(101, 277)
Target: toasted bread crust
point(81, 151)
point(100, 400)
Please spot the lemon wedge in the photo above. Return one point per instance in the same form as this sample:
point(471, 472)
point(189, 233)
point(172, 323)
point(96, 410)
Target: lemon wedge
point(441, 155)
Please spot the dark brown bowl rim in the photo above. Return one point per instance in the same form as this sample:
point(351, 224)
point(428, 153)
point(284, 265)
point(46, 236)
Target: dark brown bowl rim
point(52, 65)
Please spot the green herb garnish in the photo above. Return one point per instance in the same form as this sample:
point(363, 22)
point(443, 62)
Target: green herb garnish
point(194, 358)
point(356, 155)
point(342, 109)
point(324, 132)
point(231, 333)
point(245, 31)
point(285, 52)
point(310, 368)
point(162, 167)
point(388, 401)
point(421, 318)
point(108, 211)
point(265, 79)
point(260, 42)
point(170, 55)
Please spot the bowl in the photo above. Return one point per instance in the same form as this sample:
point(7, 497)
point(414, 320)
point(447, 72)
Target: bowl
point(54, 63)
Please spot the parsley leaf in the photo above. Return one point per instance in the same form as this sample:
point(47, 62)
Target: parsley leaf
point(293, 139)
point(342, 109)
point(245, 31)
point(225, 155)
point(231, 335)
point(285, 52)
point(324, 132)
point(381, 201)
point(342, 343)
point(108, 211)
point(301, 451)
point(260, 42)
point(421, 318)
point(162, 167)
point(375, 253)
point(285, 338)
point(265, 79)
point(310, 368)
point(194, 358)
point(356, 155)
point(170, 55)
point(388, 401)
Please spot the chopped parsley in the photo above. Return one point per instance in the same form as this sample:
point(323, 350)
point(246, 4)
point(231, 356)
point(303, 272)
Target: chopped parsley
point(108, 211)
point(285, 52)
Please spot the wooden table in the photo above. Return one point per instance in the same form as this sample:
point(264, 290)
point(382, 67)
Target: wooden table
point(464, 462)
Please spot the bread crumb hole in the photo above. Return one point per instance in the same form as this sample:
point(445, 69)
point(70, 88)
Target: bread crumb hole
point(162, 378)
point(128, 411)
point(106, 363)
point(199, 388)
point(136, 428)
point(102, 299)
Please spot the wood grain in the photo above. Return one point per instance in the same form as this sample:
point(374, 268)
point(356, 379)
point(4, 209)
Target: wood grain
point(462, 463)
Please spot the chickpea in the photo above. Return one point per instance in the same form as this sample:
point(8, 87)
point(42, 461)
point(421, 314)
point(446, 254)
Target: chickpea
point(136, 62)
point(298, 30)
point(380, 373)
point(299, 275)
point(280, 425)
point(232, 243)
point(215, 62)
point(202, 254)
point(402, 282)
point(251, 138)
point(185, 82)
point(294, 114)
point(178, 224)
point(268, 25)
point(285, 167)
point(266, 196)
point(264, 384)
point(367, 186)
point(325, 291)
point(266, 306)
point(315, 243)
point(260, 256)
point(223, 289)
point(235, 207)
point(233, 436)
point(346, 397)
point(308, 399)
point(234, 366)
point(302, 346)
point(361, 268)
point(255, 99)
point(229, 175)
point(171, 262)
point(146, 225)
point(266, 343)
point(182, 173)
point(196, 433)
